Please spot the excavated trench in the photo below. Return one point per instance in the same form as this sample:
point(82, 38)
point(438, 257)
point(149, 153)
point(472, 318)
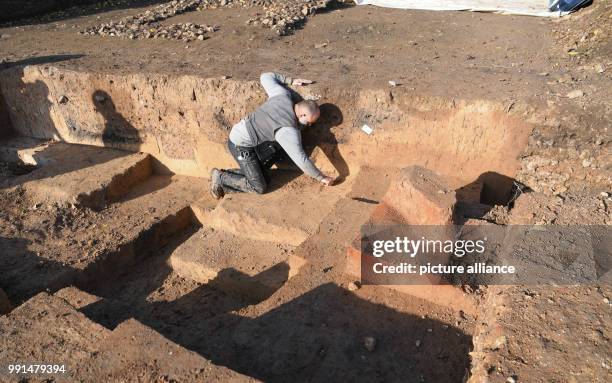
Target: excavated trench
point(258, 283)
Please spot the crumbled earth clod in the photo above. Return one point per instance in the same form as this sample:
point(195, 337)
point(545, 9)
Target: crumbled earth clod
point(353, 286)
point(369, 343)
point(575, 94)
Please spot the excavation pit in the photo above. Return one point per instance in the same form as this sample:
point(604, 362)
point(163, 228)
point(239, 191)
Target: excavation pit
point(453, 92)
point(266, 274)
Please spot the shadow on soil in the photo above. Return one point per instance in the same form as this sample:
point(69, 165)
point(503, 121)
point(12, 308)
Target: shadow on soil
point(37, 13)
point(17, 261)
point(321, 134)
point(36, 90)
point(317, 336)
point(40, 60)
point(479, 197)
point(117, 133)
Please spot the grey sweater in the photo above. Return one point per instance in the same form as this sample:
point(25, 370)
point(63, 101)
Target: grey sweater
point(275, 121)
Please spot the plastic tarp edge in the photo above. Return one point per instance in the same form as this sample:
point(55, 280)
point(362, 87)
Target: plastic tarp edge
point(523, 7)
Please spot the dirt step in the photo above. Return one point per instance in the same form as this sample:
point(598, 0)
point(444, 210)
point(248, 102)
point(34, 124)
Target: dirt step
point(76, 297)
point(134, 348)
point(23, 149)
point(418, 196)
point(84, 175)
point(343, 222)
point(46, 329)
point(422, 197)
point(148, 217)
point(254, 269)
point(316, 333)
point(202, 207)
point(120, 235)
point(290, 213)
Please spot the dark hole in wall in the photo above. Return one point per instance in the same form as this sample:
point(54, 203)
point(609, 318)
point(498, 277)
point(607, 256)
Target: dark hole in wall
point(477, 199)
point(497, 189)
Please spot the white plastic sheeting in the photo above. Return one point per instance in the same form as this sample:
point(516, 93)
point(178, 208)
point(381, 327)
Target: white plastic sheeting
point(517, 7)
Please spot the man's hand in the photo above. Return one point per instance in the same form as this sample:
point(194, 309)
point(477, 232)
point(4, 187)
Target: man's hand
point(327, 181)
point(301, 82)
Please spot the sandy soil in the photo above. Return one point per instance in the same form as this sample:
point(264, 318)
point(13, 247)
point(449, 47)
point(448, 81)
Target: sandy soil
point(464, 55)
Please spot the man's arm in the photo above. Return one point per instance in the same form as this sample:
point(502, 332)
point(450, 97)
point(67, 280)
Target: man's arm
point(273, 84)
point(290, 140)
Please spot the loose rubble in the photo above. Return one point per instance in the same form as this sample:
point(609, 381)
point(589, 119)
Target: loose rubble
point(146, 25)
point(369, 343)
point(282, 16)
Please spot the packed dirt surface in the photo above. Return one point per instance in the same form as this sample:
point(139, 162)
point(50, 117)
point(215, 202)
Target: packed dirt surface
point(540, 352)
point(116, 256)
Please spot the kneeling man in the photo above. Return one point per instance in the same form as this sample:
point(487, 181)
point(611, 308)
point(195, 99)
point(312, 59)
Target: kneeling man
point(258, 140)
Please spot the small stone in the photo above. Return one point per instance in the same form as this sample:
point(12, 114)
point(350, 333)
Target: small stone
point(99, 98)
point(604, 194)
point(393, 83)
point(600, 68)
point(201, 37)
point(511, 380)
point(575, 94)
point(63, 99)
point(417, 343)
point(352, 286)
point(369, 343)
point(319, 46)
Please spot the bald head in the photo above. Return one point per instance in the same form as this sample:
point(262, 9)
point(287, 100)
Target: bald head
point(307, 112)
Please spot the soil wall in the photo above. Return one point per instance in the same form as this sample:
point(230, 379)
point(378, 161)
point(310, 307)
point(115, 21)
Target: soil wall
point(184, 121)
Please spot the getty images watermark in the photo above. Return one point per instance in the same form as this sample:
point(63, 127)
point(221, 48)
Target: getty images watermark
point(484, 254)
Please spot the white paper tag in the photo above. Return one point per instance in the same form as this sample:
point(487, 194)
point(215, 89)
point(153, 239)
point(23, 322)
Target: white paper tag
point(367, 129)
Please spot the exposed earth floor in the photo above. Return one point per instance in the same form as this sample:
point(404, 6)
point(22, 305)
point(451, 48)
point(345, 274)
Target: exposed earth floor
point(115, 260)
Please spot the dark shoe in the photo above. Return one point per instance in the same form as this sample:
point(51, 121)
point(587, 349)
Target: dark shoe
point(216, 188)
